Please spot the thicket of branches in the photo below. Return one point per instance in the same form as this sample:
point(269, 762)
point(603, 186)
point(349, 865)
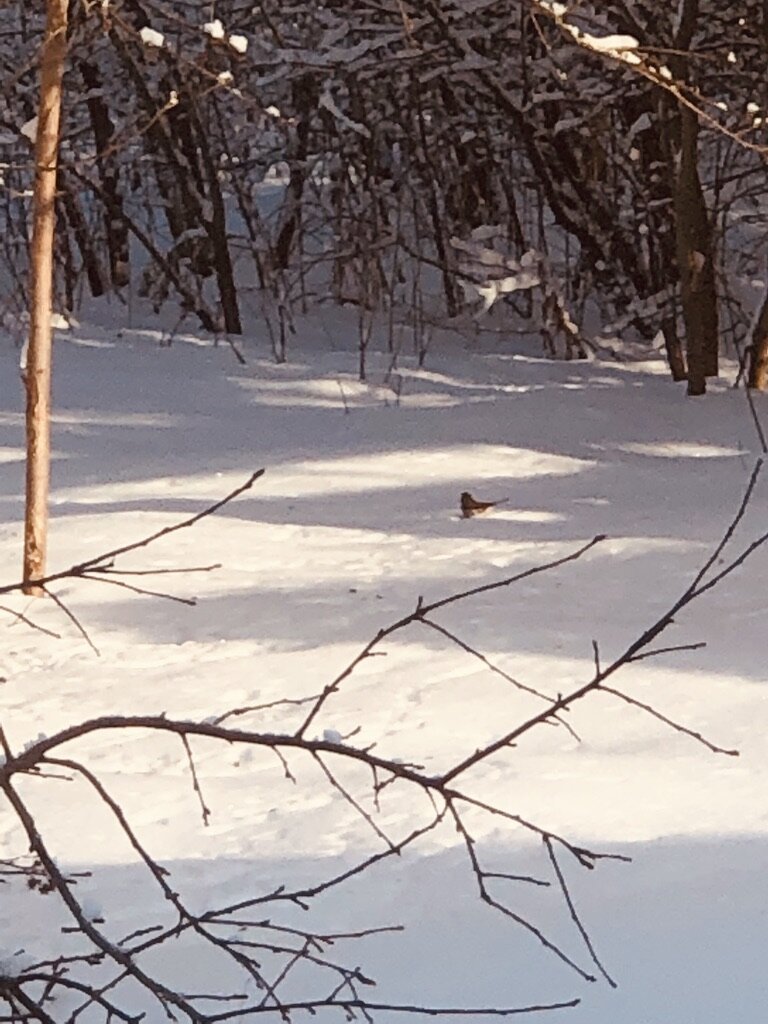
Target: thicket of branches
point(423, 152)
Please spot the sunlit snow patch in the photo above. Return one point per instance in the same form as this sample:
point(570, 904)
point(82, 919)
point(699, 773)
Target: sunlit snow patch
point(679, 450)
point(381, 471)
point(11, 455)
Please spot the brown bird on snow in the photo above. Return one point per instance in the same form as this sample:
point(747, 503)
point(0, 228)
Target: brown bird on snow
point(471, 507)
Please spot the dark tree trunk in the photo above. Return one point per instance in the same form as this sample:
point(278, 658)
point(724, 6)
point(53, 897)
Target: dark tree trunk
point(216, 229)
point(305, 93)
point(695, 261)
point(674, 349)
point(433, 207)
point(67, 199)
point(115, 226)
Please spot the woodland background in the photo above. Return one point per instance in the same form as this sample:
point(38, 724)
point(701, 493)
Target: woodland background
point(251, 159)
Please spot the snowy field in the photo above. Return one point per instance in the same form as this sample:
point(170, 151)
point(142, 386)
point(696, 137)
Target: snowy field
point(354, 519)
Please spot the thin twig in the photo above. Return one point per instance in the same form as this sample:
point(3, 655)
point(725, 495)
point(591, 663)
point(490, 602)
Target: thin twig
point(506, 876)
point(574, 916)
point(72, 618)
point(111, 570)
point(672, 649)
point(282, 702)
point(189, 601)
point(353, 802)
point(167, 530)
point(481, 657)
point(350, 1005)
point(502, 907)
point(19, 617)
point(423, 610)
point(740, 513)
point(195, 781)
point(668, 721)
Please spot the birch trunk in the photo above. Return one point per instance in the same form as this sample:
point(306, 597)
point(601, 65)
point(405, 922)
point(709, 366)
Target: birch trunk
point(38, 369)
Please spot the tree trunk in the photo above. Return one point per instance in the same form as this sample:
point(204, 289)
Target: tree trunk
point(304, 96)
point(432, 203)
point(216, 229)
point(38, 369)
point(758, 356)
point(80, 229)
point(115, 226)
point(693, 233)
point(674, 349)
point(695, 261)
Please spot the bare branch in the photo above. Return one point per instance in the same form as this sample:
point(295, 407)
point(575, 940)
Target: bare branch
point(105, 561)
point(19, 617)
point(204, 810)
point(673, 649)
point(485, 895)
point(428, 1011)
point(481, 657)
point(574, 915)
point(70, 615)
point(668, 721)
point(423, 610)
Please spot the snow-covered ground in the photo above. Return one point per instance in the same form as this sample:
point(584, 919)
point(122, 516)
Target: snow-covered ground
point(354, 519)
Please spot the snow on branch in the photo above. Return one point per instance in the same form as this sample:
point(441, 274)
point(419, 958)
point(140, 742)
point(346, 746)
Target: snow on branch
point(618, 46)
point(151, 37)
point(488, 274)
point(627, 50)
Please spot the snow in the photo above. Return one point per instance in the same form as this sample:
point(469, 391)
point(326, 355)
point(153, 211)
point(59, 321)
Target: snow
point(356, 517)
point(239, 43)
point(30, 743)
point(616, 45)
point(151, 37)
point(557, 9)
point(492, 291)
point(483, 269)
point(214, 29)
point(29, 129)
point(609, 44)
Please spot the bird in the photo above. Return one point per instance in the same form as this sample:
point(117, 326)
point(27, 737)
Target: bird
point(472, 507)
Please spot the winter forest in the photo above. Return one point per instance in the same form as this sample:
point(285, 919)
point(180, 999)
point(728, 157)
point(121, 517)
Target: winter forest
point(382, 511)
point(602, 173)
